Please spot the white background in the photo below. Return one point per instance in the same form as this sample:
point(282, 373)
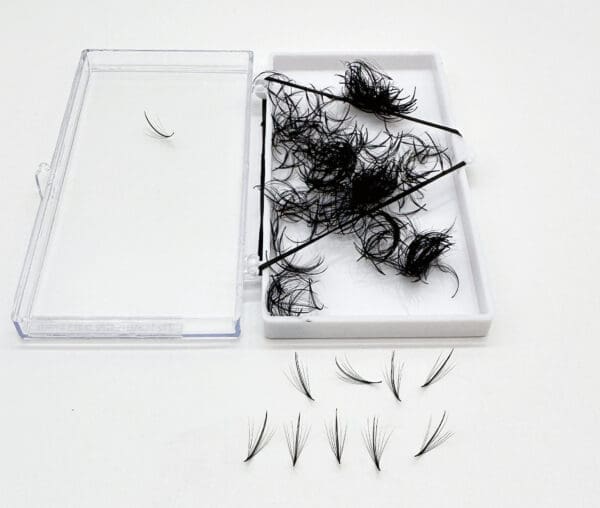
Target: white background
point(156, 426)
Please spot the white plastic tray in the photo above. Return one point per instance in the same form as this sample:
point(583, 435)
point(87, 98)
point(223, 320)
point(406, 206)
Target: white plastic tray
point(358, 301)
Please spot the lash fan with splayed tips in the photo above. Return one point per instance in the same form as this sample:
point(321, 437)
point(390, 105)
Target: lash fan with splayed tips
point(258, 440)
point(336, 435)
point(348, 373)
point(439, 370)
point(375, 441)
point(437, 438)
point(296, 435)
point(299, 377)
point(393, 376)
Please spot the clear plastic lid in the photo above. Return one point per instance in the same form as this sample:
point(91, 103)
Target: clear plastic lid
point(140, 232)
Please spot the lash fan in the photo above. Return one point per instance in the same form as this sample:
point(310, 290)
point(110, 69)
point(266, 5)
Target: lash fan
point(299, 377)
point(375, 441)
point(336, 437)
point(296, 436)
point(437, 438)
point(393, 376)
point(348, 373)
point(439, 370)
point(372, 91)
point(256, 442)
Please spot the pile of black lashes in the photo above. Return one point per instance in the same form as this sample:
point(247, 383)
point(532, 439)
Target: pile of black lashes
point(375, 436)
point(333, 176)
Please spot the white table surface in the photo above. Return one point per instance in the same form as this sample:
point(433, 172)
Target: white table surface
point(164, 426)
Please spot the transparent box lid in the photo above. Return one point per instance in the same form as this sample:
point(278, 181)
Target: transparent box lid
point(139, 232)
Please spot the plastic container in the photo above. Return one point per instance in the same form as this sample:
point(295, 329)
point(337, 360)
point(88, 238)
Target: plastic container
point(139, 235)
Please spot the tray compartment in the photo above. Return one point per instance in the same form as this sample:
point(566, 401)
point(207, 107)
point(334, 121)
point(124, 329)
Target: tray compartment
point(360, 302)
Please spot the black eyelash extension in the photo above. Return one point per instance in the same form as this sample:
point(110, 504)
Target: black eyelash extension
point(299, 377)
point(369, 90)
point(421, 151)
point(291, 294)
point(257, 441)
point(329, 163)
point(378, 238)
point(325, 163)
point(366, 87)
point(393, 376)
point(298, 116)
point(296, 436)
point(375, 441)
point(156, 129)
point(288, 202)
point(347, 373)
point(290, 291)
point(336, 437)
point(423, 252)
point(437, 438)
point(372, 184)
point(439, 370)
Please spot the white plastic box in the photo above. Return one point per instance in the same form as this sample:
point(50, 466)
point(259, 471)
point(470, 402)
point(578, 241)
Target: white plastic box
point(140, 237)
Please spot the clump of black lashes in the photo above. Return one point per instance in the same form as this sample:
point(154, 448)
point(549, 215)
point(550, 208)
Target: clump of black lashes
point(378, 238)
point(290, 291)
point(372, 91)
point(291, 294)
point(423, 252)
point(329, 171)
